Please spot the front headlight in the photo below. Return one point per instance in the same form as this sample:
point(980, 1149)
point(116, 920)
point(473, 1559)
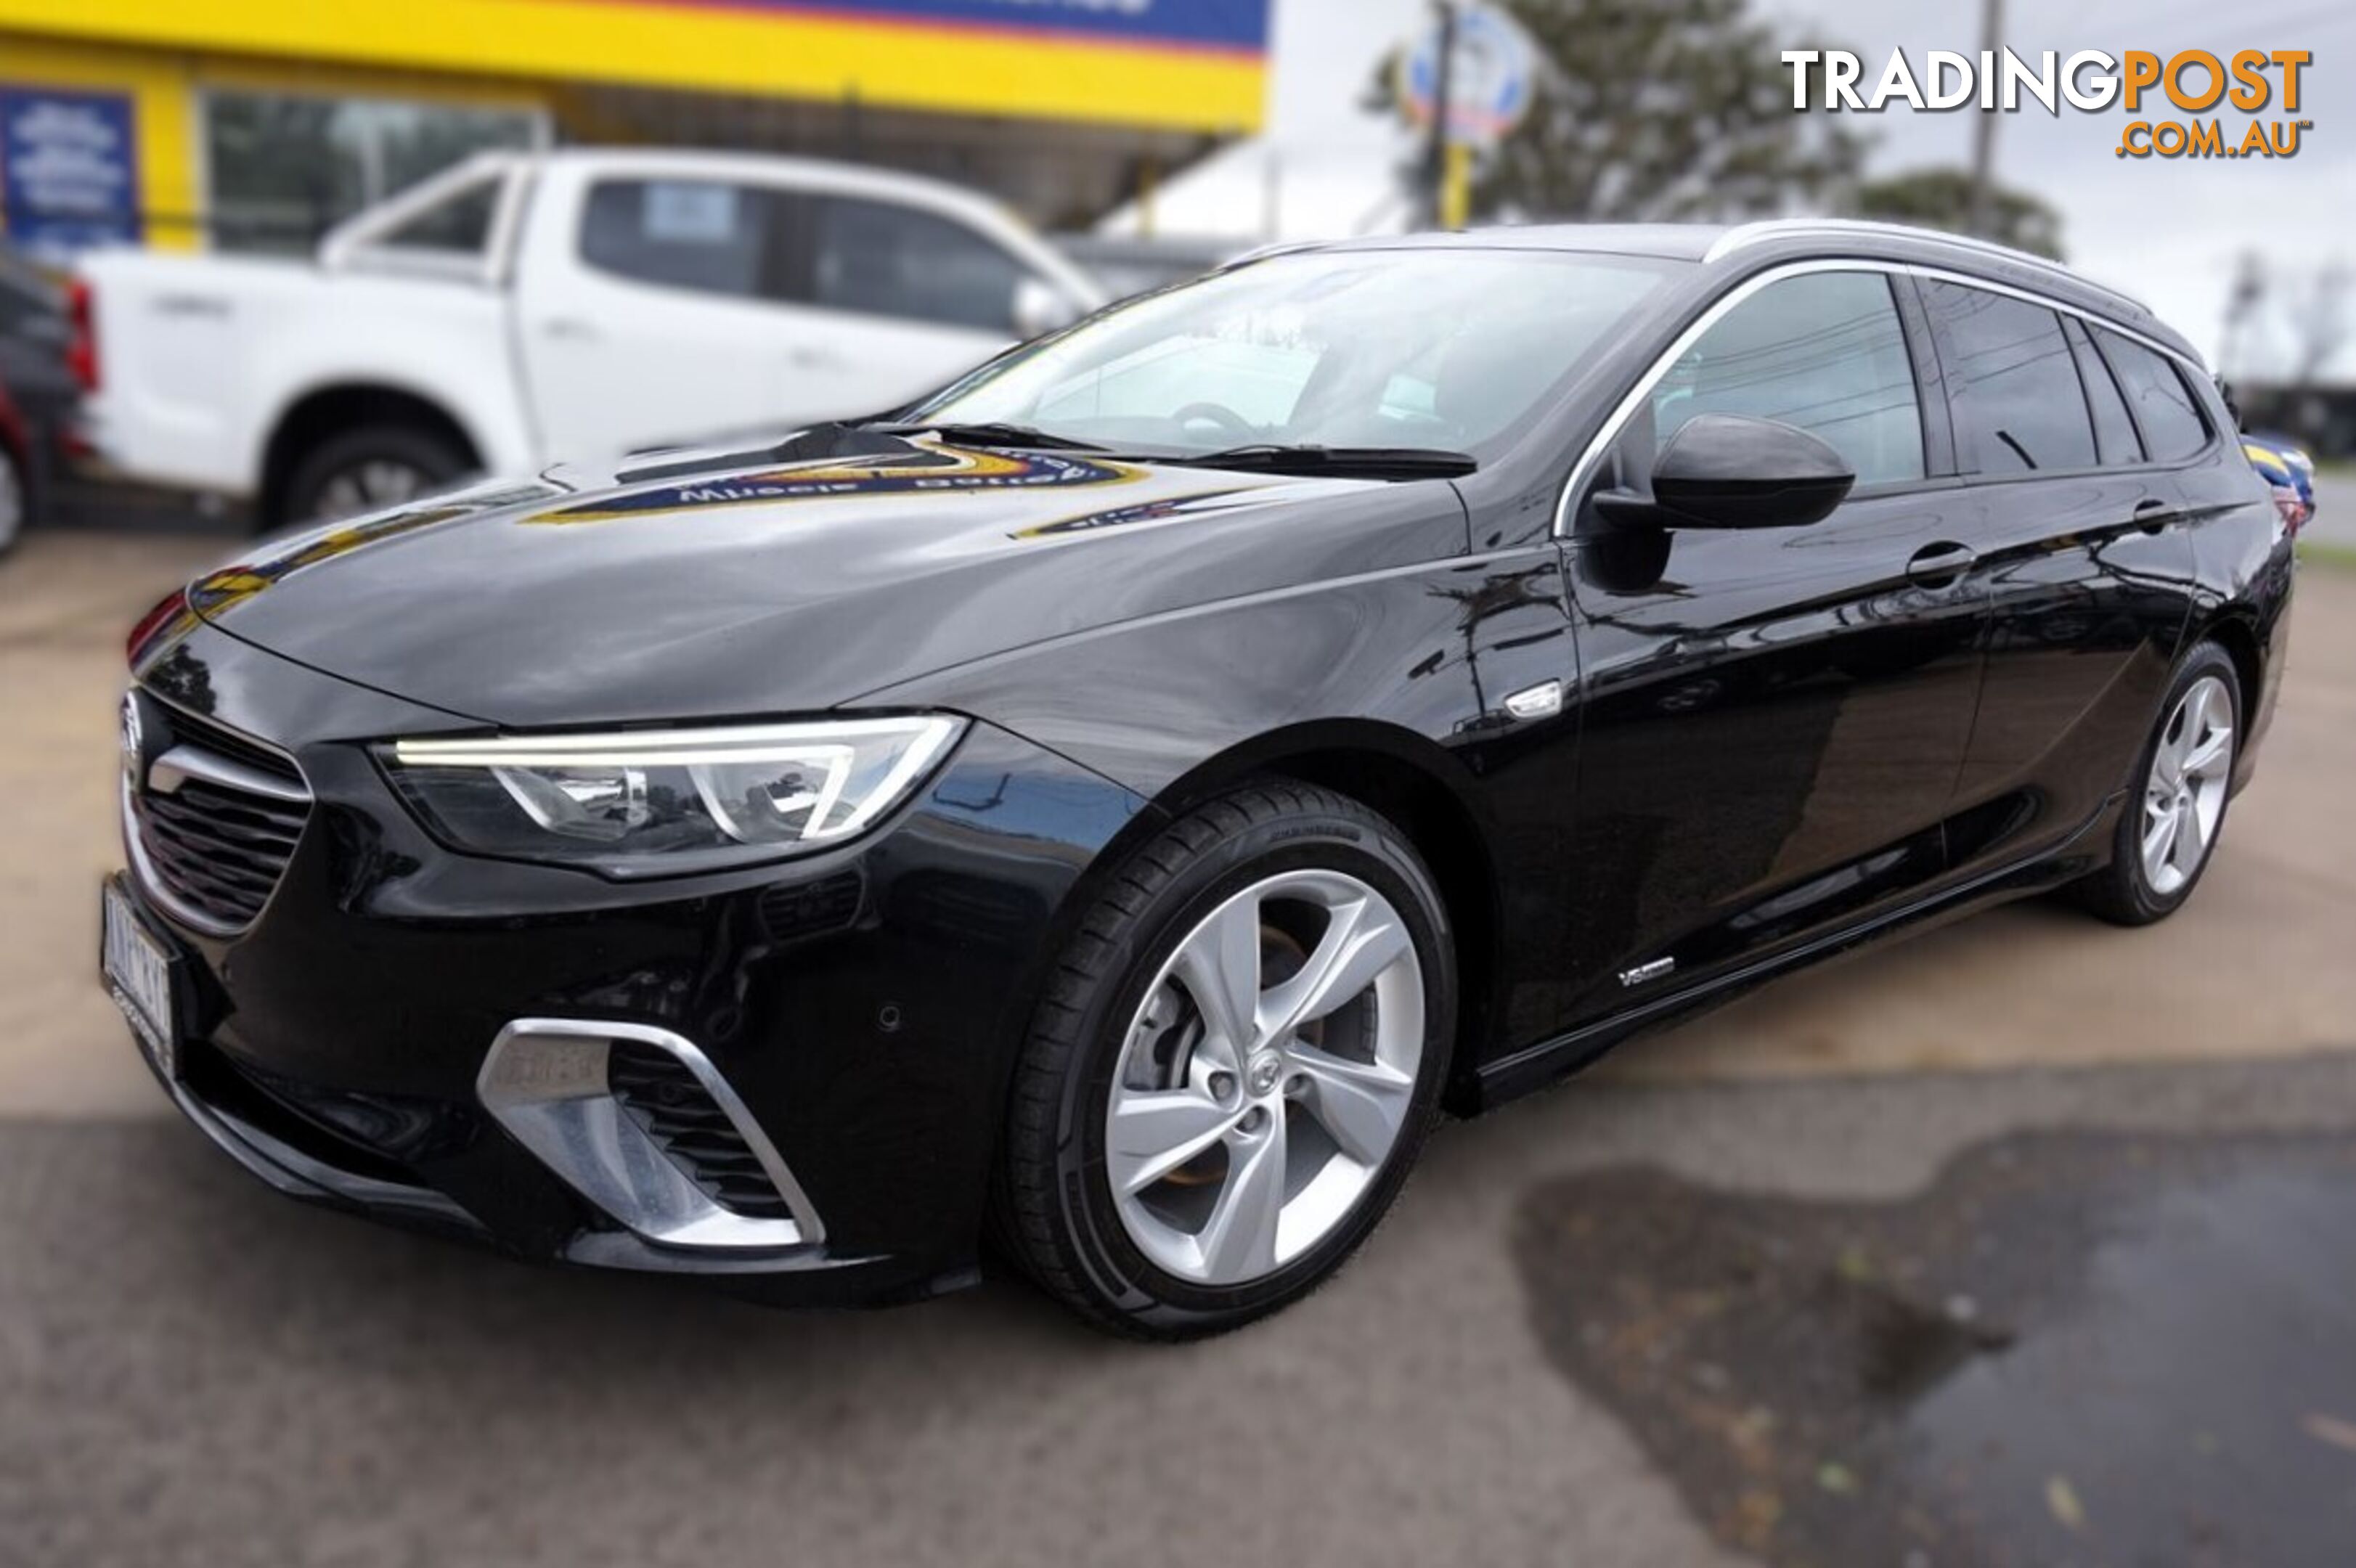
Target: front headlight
point(659, 803)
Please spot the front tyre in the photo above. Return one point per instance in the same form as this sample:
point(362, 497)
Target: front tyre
point(2177, 808)
point(1233, 1067)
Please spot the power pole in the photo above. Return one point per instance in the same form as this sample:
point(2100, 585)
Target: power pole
point(1981, 217)
point(1435, 157)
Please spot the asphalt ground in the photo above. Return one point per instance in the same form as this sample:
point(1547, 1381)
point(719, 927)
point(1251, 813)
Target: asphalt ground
point(193, 1371)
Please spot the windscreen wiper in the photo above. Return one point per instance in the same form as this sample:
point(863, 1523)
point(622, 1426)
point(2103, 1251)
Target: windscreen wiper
point(989, 433)
point(1342, 462)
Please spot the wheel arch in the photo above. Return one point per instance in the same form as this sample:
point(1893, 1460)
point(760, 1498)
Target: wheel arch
point(1423, 791)
point(328, 409)
point(2235, 632)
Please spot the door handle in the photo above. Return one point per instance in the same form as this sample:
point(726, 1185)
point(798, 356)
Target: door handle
point(2153, 514)
point(1941, 564)
point(814, 360)
point(569, 327)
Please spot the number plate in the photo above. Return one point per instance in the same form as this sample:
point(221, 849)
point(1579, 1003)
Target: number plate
point(138, 971)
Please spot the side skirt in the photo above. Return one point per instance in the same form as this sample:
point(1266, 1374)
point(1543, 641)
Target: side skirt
point(1536, 1066)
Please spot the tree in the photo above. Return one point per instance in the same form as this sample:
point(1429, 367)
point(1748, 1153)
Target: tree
point(1654, 110)
point(1941, 198)
point(2317, 311)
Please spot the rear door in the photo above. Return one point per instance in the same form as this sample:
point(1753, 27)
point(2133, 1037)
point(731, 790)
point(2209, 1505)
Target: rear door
point(2083, 557)
point(1772, 718)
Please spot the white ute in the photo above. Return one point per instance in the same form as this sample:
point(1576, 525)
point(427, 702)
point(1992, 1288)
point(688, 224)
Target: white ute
point(523, 309)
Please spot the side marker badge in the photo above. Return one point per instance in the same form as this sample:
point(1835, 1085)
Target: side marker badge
point(1542, 700)
point(1656, 970)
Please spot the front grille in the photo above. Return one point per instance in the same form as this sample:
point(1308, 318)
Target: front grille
point(216, 848)
point(663, 1096)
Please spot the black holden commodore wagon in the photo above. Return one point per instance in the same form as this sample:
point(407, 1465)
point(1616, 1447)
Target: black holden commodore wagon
point(1096, 817)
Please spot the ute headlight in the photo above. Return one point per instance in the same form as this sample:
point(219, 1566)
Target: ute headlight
point(656, 803)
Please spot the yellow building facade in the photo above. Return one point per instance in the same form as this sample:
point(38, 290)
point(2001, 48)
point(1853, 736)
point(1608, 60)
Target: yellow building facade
point(252, 124)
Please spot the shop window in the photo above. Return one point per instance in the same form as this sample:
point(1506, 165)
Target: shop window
point(460, 225)
point(286, 167)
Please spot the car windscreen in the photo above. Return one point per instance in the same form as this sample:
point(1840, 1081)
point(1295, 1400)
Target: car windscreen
point(1443, 348)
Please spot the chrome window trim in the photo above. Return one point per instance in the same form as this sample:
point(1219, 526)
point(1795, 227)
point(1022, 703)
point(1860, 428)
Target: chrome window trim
point(544, 1081)
point(1591, 456)
point(1743, 236)
point(1969, 281)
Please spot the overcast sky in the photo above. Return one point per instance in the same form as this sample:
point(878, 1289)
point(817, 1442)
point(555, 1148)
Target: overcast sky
point(2167, 230)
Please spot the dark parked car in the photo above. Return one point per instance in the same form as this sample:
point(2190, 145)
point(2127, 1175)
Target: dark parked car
point(1111, 807)
point(36, 390)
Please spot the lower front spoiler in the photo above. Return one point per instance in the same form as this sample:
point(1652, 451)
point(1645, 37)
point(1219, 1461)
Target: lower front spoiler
point(808, 1275)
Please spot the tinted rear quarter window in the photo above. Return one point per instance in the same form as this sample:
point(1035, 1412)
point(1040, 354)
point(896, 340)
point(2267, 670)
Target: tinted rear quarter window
point(2116, 441)
point(2173, 427)
point(704, 235)
point(2012, 385)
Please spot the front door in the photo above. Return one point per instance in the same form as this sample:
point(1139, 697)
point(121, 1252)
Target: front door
point(1773, 719)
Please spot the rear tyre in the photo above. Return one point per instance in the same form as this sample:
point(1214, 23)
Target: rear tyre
point(1233, 1066)
point(2176, 810)
point(367, 470)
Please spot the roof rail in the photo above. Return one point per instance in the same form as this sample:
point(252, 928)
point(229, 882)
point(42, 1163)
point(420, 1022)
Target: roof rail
point(1273, 247)
point(1748, 234)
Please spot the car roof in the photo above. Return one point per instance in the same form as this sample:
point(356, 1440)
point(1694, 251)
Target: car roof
point(1739, 249)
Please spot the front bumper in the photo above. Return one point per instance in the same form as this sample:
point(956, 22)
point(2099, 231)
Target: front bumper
point(856, 1011)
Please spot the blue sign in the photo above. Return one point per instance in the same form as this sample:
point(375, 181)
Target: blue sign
point(68, 170)
point(1199, 24)
point(1489, 79)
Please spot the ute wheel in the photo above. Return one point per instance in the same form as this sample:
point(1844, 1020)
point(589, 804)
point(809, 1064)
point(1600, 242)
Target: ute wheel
point(2177, 808)
point(368, 470)
point(1233, 1065)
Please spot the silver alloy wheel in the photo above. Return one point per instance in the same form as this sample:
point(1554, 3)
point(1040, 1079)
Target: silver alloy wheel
point(12, 501)
point(2185, 795)
point(368, 487)
point(1265, 1077)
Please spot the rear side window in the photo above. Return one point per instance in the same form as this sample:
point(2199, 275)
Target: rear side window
point(1823, 351)
point(2012, 384)
point(889, 259)
point(2171, 418)
point(706, 235)
point(2116, 441)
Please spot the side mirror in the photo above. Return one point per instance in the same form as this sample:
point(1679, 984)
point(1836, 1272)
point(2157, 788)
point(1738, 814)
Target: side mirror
point(1040, 308)
point(1730, 471)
